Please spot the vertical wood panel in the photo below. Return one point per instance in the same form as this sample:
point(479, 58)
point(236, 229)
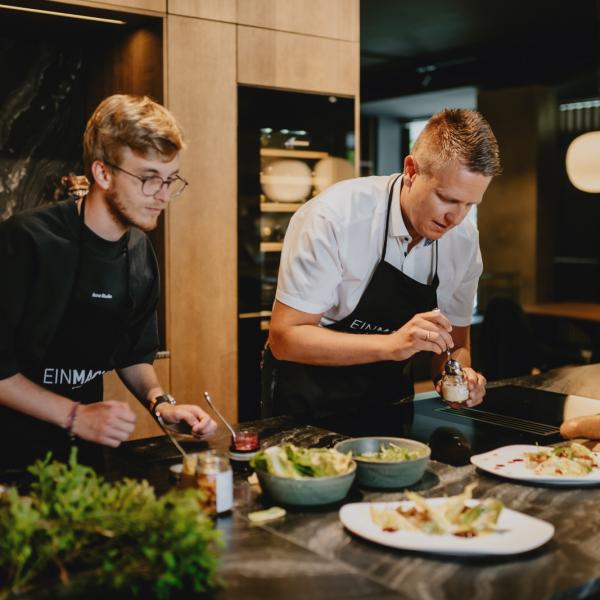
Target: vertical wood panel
point(328, 18)
point(297, 62)
point(202, 253)
point(219, 10)
point(115, 390)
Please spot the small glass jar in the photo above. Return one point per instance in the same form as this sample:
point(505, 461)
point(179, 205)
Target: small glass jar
point(454, 388)
point(215, 478)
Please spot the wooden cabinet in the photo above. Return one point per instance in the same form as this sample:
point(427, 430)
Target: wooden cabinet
point(218, 10)
point(297, 62)
point(336, 19)
point(201, 246)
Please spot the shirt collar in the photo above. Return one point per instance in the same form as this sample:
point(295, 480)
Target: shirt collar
point(397, 226)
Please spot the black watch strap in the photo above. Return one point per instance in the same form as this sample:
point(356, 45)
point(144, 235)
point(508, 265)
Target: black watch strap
point(162, 399)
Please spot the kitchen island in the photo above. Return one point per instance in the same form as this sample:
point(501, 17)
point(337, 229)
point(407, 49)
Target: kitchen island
point(309, 554)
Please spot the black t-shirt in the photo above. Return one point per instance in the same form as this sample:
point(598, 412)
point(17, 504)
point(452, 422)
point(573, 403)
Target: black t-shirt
point(92, 337)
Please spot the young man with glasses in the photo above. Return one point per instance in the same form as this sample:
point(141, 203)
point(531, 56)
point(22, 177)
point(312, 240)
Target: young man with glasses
point(81, 293)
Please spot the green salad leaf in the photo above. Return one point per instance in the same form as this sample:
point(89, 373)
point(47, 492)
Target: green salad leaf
point(76, 526)
point(391, 453)
point(290, 461)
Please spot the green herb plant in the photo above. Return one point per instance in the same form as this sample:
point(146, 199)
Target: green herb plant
point(87, 532)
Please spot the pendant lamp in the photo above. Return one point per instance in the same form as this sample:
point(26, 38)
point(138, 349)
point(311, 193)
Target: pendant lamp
point(583, 162)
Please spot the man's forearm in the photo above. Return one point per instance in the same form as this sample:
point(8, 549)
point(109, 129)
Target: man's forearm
point(22, 394)
point(314, 345)
point(141, 380)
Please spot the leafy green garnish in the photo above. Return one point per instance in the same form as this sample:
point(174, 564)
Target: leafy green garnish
point(300, 463)
point(118, 536)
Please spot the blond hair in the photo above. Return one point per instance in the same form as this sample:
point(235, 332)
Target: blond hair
point(458, 134)
point(137, 122)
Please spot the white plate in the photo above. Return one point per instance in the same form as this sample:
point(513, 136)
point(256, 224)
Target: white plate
point(505, 462)
point(515, 532)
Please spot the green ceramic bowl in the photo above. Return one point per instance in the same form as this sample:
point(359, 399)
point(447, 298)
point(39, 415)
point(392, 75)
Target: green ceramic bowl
point(307, 492)
point(379, 474)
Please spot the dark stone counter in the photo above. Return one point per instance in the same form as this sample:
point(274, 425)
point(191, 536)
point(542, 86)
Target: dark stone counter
point(309, 554)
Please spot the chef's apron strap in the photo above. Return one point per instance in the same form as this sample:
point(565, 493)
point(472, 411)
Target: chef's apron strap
point(387, 218)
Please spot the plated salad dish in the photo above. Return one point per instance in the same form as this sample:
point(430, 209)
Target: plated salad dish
point(572, 459)
point(459, 525)
point(567, 464)
point(293, 462)
point(455, 516)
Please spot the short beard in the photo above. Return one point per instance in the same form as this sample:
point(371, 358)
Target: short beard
point(120, 215)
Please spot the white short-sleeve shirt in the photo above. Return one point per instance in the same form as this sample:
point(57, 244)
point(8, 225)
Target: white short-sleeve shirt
point(334, 243)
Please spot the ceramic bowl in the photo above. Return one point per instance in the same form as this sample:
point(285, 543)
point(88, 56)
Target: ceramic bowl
point(379, 474)
point(311, 491)
point(286, 180)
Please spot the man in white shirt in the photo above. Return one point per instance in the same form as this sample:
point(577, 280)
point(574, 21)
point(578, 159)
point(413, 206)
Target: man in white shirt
point(392, 257)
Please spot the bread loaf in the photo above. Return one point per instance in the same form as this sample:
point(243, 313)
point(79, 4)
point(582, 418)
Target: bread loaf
point(587, 426)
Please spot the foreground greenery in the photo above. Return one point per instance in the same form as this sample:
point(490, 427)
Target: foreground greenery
point(75, 526)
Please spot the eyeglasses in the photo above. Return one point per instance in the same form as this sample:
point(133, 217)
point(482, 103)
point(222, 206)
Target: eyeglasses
point(153, 184)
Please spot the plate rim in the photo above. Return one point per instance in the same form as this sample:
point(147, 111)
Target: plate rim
point(466, 550)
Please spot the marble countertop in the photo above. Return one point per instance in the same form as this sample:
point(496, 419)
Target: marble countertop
point(309, 554)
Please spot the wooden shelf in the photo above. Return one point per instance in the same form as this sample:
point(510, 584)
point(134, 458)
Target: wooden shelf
point(271, 246)
point(260, 314)
point(280, 206)
point(283, 153)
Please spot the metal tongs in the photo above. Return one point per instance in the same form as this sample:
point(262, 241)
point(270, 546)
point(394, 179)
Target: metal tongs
point(223, 419)
point(175, 443)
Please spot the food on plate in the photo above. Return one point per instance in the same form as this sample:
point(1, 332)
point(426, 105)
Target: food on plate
point(566, 459)
point(456, 516)
point(290, 461)
point(587, 426)
point(391, 453)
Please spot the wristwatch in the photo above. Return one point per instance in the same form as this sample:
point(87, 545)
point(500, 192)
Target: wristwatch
point(161, 400)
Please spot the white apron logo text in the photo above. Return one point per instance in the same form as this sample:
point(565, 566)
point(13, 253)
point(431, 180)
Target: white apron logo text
point(73, 377)
point(367, 327)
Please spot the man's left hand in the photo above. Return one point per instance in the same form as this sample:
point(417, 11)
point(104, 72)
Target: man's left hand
point(199, 421)
point(476, 384)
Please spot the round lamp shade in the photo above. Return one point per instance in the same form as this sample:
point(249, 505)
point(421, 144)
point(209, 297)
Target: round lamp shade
point(583, 162)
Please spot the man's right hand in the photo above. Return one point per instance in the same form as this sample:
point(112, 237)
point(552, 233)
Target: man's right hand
point(108, 423)
point(428, 331)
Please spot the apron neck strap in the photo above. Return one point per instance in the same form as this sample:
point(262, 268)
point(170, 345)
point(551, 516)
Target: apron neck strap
point(387, 217)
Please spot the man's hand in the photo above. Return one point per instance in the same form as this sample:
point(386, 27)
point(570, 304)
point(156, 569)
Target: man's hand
point(429, 331)
point(476, 384)
point(108, 423)
point(199, 421)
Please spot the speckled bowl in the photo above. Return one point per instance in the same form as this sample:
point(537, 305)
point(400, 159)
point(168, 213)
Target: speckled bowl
point(380, 474)
point(311, 491)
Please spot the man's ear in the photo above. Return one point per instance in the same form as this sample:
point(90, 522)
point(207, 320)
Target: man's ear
point(410, 170)
point(101, 173)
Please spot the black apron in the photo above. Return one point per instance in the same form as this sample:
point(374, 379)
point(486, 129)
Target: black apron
point(389, 301)
point(79, 354)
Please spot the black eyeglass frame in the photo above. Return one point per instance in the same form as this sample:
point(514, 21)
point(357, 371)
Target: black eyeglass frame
point(143, 180)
